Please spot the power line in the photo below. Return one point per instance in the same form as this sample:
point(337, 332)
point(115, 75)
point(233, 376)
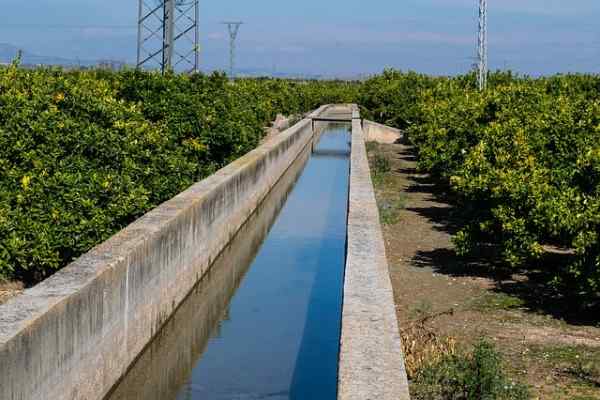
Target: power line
point(233, 28)
point(482, 43)
point(168, 34)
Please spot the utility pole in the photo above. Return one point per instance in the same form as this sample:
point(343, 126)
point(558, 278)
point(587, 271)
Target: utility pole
point(168, 34)
point(482, 50)
point(233, 28)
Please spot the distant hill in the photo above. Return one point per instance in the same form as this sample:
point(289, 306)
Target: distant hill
point(8, 53)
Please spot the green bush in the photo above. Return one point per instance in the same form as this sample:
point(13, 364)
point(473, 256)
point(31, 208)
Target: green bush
point(522, 158)
point(478, 375)
point(84, 153)
point(392, 98)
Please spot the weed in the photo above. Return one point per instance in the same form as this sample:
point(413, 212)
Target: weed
point(438, 370)
point(497, 301)
point(389, 209)
point(422, 345)
point(578, 362)
point(421, 309)
point(372, 146)
point(475, 375)
point(567, 354)
point(381, 164)
point(585, 372)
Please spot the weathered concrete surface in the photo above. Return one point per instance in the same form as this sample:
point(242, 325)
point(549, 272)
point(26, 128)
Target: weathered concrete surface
point(166, 364)
point(280, 124)
point(75, 334)
point(371, 359)
point(375, 132)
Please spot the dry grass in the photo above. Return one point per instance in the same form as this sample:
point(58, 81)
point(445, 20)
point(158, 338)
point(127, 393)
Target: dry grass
point(543, 344)
point(423, 346)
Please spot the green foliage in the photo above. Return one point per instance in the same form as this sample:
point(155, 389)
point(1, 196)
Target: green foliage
point(523, 160)
point(581, 363)
point(391, 98)
point(381, 164)
point(83, 154)
point(478, 375)
point(496, 301)
point(389, 210)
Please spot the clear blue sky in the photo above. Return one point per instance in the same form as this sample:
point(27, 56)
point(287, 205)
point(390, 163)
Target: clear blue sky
point(333, 37)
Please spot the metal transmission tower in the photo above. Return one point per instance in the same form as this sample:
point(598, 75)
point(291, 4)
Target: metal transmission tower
point(482, 44)
point(168, 35)
point(233, 28)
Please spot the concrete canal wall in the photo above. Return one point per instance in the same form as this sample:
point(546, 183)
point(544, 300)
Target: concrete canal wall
point(375, 132)
point(75, 334)
point(371, 358)
point(165, 366)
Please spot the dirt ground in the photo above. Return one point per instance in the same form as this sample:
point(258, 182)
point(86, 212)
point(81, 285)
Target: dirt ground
point(544, 344)
point(8, 290)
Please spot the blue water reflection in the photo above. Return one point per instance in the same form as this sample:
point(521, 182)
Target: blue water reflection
point(277, 336)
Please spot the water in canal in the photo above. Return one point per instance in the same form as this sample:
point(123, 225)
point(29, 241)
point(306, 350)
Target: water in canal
point(264, 323)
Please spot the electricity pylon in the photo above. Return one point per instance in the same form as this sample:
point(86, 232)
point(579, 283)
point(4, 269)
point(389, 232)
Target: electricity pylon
point(482, 43)
point(168, 35)
point(233, 28)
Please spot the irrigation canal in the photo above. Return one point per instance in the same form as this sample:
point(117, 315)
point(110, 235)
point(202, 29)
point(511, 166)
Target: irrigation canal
point(264, 323)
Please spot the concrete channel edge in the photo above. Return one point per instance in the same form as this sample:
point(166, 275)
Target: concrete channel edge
point(371, 365)
point(375, 132)
point(74, 335)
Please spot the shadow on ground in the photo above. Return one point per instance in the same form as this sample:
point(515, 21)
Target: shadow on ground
point(533, 286)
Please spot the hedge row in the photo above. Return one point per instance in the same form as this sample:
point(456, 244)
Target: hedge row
point(522, 159)
point(83, 154)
